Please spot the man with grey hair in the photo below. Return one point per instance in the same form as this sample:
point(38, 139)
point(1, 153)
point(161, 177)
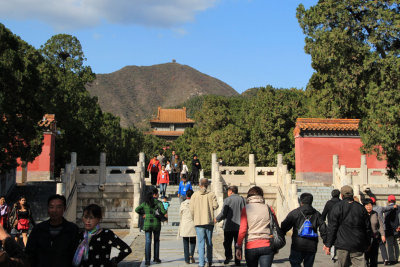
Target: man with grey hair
point(202, 206)
point(349, 229)
point(230, 213)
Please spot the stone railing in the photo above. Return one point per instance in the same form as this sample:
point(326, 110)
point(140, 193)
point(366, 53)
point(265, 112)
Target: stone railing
point(118, 189)
point(287, 191)
point(68, 188)
point(360, 179)
point(278, 177)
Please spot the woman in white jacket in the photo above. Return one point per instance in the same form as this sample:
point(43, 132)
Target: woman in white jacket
point(185, 169)
point(187, 230)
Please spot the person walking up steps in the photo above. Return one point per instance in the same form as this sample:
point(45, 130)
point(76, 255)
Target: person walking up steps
point(378, 234)
point(381, 211)
point(202, 206)
point(151, 225)
point(186, 229)
point(392, 231)
point(230, 213)
point(305, 222)
point(349, 230)
point(255, 230)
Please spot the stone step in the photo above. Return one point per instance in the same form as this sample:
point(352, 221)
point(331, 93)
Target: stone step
point(321, 195)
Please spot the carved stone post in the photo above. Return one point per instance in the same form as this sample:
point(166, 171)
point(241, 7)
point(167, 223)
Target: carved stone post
point(364, 170)
point(136, 200)
point(252, 169)
point(73, 160)
point(60, 188)
point(279, 164)
point(335, 165)
point(356, 190)
point(102, 169)
point(295, 202)
point(345, 179)
point(214, 163)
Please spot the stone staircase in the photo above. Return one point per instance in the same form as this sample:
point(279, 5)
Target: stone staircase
point(171, 227)
point(321, 195)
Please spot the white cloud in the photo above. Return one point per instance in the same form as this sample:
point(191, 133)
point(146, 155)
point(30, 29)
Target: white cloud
point(74, 14)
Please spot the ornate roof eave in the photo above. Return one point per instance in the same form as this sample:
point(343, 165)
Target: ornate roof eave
point(326, 127)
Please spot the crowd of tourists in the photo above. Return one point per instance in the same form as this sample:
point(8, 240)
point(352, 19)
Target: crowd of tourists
point(352, 233)
point(165, 171)
point(56, 241)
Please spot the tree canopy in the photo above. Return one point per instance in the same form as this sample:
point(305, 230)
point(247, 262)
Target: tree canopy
point(261, 123)
point(24, 91)
point(354, 47)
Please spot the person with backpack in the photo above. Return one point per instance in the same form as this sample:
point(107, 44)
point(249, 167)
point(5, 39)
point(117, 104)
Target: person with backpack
point(305, 221)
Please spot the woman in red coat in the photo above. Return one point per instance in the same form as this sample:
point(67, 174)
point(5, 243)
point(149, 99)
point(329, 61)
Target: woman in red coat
point(163, 180)
point(153, 168)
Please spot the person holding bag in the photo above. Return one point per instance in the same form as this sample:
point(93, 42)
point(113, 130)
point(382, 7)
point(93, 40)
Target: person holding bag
point(151, 224)
point(255, 223)
point(20, 219)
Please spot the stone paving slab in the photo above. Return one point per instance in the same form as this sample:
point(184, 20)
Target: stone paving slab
point(171, 252)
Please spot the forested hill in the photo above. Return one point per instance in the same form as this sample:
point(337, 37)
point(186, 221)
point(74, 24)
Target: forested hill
point(134, 93)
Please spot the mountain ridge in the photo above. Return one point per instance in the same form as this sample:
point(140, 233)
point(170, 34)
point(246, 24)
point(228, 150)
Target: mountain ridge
point(134, 92)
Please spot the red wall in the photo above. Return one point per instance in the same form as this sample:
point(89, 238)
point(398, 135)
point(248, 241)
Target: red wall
point(314, 154)
point(45, 161)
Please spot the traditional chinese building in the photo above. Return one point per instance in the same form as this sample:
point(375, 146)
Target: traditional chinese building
point(317, 140)
point(170, 123)
point(42, 168)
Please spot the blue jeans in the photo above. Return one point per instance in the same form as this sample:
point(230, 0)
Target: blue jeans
point(204, 237)
point(262, 257)
point(148, 245)
point(163, 189)
point(297, 257)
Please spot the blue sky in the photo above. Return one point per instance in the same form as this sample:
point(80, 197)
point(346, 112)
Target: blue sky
point(244, 43)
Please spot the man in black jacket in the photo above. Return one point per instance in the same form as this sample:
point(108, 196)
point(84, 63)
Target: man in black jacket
point(53, 242)
point(304, 248)
point(349, 229)
point(330, 203)
point(196, 167)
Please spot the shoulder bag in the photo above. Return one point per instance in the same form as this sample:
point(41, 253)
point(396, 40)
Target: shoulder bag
point(277, 239)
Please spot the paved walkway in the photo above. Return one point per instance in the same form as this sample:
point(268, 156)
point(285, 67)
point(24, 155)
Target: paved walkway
point(171, 252)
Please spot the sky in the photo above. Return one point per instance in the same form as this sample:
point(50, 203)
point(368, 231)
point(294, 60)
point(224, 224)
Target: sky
point(244, 43)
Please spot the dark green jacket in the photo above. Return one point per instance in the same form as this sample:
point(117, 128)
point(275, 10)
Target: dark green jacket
point(151, 223)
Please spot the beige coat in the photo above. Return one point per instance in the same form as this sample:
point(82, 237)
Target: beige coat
point(202, 206)
point(186, 225)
